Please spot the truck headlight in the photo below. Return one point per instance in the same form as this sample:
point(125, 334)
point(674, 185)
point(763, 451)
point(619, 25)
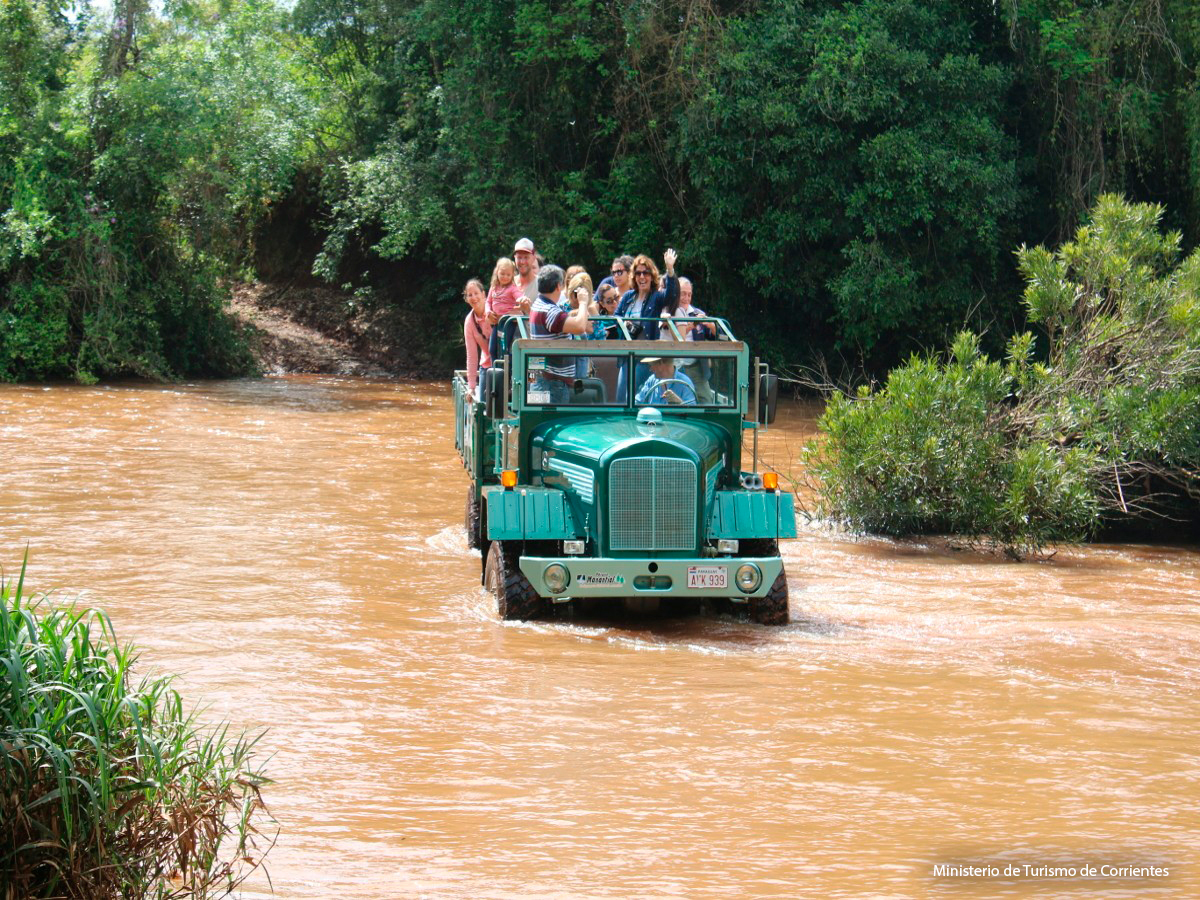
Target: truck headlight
point(556, 577)
point(748, 578)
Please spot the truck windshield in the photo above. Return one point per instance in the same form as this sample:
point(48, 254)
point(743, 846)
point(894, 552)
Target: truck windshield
point(685, 381)
point(561, 379)
point(666, 381)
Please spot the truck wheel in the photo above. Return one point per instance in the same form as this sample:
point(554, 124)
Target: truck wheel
point(516, 599)
point(471, 520)
point(773, 608)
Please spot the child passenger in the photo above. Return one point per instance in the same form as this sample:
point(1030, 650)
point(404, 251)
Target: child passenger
point(504, 298)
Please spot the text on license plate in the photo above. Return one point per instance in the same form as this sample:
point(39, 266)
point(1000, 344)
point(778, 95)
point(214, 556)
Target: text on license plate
point(707, 576)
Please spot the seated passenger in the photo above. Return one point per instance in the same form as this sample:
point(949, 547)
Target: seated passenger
point(665, 385)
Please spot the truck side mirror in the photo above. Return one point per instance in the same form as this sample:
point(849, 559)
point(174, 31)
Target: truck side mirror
point(768, 396)
point(493, 392)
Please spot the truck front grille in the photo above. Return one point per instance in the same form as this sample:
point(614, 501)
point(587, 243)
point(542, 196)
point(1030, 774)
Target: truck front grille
point(652, 504)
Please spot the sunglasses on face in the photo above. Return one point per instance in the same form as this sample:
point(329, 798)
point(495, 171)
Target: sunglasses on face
point(642, 273)
point(618, 271)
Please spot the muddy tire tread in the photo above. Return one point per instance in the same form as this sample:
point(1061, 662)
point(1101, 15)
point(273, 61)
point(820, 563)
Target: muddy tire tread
point(773, 608)
point(471, 520)
point(516, 600)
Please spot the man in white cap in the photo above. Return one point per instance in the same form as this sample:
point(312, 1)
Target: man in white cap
point(665, 385)
point(525, 256)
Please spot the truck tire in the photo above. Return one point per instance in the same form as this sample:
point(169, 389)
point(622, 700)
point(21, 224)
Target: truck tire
point(516, 600)
point(773, 608)
point(472, 520)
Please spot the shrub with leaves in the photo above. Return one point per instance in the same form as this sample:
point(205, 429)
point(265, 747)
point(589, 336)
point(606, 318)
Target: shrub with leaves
point(1029, 452)
point(110, 789)
point(934, 452)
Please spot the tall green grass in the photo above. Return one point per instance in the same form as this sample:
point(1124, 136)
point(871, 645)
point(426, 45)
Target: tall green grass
point(109, 788)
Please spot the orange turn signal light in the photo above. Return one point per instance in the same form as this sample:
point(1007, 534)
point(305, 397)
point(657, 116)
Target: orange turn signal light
point(771, 481)
point(508, 478)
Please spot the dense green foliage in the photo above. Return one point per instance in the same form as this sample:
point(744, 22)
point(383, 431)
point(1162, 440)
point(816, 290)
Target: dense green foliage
point(1028, 452)
point(109, 789)
point(842, 179)
point(843, 168)
point(134, 160)
point(854, 172)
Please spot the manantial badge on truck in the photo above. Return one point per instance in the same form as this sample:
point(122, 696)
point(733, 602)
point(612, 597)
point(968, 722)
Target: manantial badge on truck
point(618, 471)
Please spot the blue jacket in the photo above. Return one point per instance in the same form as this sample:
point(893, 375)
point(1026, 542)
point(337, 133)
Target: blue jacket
point(667, 295)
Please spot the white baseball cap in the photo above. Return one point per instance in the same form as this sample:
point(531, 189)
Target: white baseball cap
point(524, 244)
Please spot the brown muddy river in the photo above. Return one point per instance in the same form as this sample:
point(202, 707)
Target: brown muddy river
point(293, 548)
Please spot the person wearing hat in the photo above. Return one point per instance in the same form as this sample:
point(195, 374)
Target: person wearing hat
point(525, 257)
point(665, 385)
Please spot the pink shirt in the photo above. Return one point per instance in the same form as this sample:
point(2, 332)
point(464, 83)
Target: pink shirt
point(475, 332)
point(504, 300)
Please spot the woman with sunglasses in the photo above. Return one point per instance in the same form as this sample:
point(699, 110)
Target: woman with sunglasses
point(649, 297)
point(607, 297)
point(618, 276)
point(647, 300)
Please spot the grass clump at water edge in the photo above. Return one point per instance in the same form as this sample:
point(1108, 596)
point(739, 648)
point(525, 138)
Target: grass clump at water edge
point(110, 789)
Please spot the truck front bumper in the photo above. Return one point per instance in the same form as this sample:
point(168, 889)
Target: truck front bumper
point(697, 577)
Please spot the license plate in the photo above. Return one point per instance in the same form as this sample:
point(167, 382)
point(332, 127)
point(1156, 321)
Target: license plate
point(707, 576)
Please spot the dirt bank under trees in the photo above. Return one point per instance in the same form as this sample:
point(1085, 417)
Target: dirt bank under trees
point(317, 331)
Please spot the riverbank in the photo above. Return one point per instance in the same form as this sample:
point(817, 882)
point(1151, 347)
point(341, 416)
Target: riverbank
point(317, 330)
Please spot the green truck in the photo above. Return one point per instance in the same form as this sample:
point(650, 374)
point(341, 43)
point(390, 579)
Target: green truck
point(617, 470)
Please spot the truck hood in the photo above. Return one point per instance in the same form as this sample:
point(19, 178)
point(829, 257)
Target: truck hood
point(595, 440)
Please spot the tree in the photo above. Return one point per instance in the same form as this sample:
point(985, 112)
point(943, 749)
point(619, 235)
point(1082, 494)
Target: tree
point(852, 171)
point(1032, 451)
point(136, 157)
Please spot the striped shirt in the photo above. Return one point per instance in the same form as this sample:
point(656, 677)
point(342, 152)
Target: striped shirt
point(546, 321)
